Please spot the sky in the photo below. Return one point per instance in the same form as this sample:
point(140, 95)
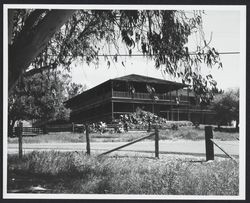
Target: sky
point(225, 28)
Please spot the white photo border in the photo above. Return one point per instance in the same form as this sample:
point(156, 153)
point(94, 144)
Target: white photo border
point(242, 153)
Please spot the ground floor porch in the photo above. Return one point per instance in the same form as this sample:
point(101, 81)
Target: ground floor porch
point(111, 110)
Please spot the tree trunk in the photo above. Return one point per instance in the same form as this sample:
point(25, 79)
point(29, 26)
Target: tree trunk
point(29, 45)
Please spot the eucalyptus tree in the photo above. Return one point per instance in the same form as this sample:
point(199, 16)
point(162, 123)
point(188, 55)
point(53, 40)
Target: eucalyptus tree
point(45, 39)
point(226, 106)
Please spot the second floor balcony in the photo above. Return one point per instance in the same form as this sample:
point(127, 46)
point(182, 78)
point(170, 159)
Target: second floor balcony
point(138, 96)
point(157, 97)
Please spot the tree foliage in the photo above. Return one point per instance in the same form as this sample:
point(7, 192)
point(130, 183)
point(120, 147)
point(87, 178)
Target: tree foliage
point(158, 34)
point(74, 89)
point(226, 106)
point(41, 97)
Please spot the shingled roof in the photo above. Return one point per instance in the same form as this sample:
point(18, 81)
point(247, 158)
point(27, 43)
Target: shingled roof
point(132, 78)
point(146, 79)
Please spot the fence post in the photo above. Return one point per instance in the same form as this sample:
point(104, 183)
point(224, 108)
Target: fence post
point(156, 142)
point(20, 139)
point(87, 139)
point(209, 143)
point(45, 130)
point(73, 127)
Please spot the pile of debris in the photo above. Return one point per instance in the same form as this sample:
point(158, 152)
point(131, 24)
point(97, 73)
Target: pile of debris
point(141, 119)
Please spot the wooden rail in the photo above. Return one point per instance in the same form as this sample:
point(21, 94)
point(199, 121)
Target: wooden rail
point(28, 131)
point(222, 149)
point(139, 95)
point(130, 143)
point(210, 142)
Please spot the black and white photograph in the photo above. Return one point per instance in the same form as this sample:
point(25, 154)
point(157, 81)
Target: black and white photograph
point(124, 101)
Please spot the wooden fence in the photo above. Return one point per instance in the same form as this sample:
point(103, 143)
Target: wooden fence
point(28, 131)
point(156, 136)
point(209, 141)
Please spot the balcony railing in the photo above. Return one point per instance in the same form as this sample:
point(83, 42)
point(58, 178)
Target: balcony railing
point(137, 95)
point(147, 96)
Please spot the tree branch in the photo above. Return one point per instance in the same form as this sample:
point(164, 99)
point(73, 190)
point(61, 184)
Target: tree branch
point(32, 19)
point(38, 70)
point(22, 52)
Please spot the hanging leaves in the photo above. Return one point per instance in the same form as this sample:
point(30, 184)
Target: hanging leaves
point(130, 52)
point(108, 64)
point(126, 37)
point(115, 57)
point(123, 64)
point(161, 35)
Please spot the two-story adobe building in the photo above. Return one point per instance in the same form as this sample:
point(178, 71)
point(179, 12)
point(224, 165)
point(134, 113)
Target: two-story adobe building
point(110, 99)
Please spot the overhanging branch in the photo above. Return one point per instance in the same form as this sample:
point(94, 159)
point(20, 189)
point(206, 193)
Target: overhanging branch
point(22, 52)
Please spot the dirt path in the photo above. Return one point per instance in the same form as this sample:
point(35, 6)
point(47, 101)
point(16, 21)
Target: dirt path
point(165, 147)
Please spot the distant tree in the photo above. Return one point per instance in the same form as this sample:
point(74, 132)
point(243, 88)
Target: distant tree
point(17, 110)
point(73, 89)
point(226, 106)
point(44, 39)
point(41, 97)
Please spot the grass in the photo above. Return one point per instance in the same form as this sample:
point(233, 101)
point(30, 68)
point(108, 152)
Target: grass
point(71, 172)
point(188, 133)
point(51, 137)
point(191, 133)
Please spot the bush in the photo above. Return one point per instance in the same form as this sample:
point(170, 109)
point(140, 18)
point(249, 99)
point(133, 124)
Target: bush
point(140, 119)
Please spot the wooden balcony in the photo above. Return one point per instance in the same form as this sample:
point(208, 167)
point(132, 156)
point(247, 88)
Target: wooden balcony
point(146, 96)
point(98, 99)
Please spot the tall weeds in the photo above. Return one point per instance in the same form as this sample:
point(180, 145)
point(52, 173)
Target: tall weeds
point(77, 173)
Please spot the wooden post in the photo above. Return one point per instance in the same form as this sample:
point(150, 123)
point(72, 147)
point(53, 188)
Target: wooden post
point(178, 113)
point(45, 130)
point(20, 139)
point(112, 89)
point(156, 142)
point(73, 127)
point(172, 113)
point(189, 114)
point(87, 139)
point(112, 110)
point(209, 143)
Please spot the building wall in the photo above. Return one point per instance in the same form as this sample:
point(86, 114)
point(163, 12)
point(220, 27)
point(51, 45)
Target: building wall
point(106, 102)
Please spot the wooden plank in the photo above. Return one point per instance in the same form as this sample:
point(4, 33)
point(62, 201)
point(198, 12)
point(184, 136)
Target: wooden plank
point(87, 139)
point(222, 149)
point(20, 140)
point(156, 142)
point(125, 145)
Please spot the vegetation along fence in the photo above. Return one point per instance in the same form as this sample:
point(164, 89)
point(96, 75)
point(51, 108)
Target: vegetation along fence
point(209, 141)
